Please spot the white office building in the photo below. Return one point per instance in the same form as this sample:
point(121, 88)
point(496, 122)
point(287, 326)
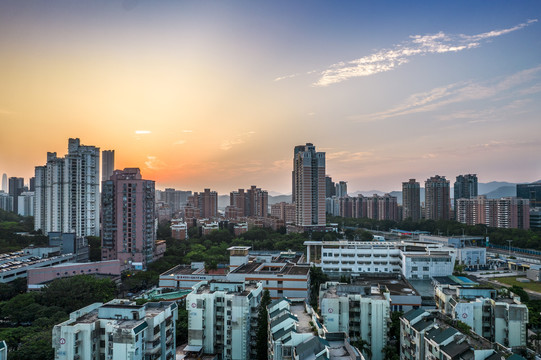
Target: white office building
point(222, 318)
point(353, 258)
point(119, 329)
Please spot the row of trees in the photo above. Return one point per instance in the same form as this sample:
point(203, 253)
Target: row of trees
point(30, 317)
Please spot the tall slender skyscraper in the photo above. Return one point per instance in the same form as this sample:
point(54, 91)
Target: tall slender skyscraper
point(67, 196)
point(437, 198)
point(411, 200)
point(107, 164)
point(5, 182)
point(309, 186)
point(128, 214)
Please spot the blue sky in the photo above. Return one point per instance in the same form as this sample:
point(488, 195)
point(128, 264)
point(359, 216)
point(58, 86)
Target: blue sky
point(216, 94)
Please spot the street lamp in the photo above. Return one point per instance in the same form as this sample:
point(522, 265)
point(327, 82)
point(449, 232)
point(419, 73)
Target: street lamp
point(509, 241)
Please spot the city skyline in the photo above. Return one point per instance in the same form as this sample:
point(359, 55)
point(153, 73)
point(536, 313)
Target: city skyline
point(215, 95)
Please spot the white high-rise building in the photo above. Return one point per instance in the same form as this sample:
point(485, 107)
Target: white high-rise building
point(67, 196)
point(362, 312)
point(5, 182)
point(222, 318)
point(309, 186)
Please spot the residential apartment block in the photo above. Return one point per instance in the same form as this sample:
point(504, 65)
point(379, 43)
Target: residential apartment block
point(362, 312)
point(507, 212)
point(119, 329)
point(202, 205)
point(498, 319)
point(222, 318)
point(67, 193)
point(309, 186)
point(373, 207)
point(128, 219)
point(411, 200)
point(283, 211)
point(295, 332)
point(437, 198)
point(429, 335)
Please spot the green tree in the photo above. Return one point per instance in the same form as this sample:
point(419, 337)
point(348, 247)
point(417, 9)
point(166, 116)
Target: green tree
point(94, 242)
point(262, 327)
point(182, 323)
point(317, 277)
point(364, 347)
point(76, 292)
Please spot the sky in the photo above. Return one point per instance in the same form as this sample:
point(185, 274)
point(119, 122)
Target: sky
point(216, 94)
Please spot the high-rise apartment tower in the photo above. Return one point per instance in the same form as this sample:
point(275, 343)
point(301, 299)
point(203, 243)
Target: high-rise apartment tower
point(67, 196)
point(411, 200)
point(107, 164)
point(437, 198)
point(309, 186)
point(128, 218)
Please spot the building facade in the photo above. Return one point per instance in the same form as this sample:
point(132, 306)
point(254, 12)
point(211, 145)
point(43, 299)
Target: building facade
point(507, 212)
point(359, 311)
point(222, 318)
point(128, 219)
point(437, 198)
point(283, 211)
point(465, 187)
point(411, 200)
point(16, 188)
point(251, 202)
point(107, 164)
point(309, 186)
point(67, 196)
point(354, 258)
point(119, 329)
point(531, 192)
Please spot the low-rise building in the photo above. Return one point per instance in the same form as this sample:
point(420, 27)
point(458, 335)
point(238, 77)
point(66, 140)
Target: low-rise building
point(499, 319)
point(429, 335)
point(179, 229)
point(15, 265)
point(39, 277)
point(468, 253)
point(207, 228)
point(362, 312)
point(283, 274)
point(295, 332)
point(119, 329)
point(413, 260)
point(222, 318)
point(184, 277)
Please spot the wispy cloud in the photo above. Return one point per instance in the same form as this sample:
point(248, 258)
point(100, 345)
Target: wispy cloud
point(417, 45)
point(153, 163)
point(179, 142)
point(347, 156)
point(187, 131)
point(239, 139)
point(456, 93)
point(142, 132)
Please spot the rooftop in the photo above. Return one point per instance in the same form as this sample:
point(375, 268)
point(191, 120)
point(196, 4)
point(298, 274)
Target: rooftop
point(281, 268)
